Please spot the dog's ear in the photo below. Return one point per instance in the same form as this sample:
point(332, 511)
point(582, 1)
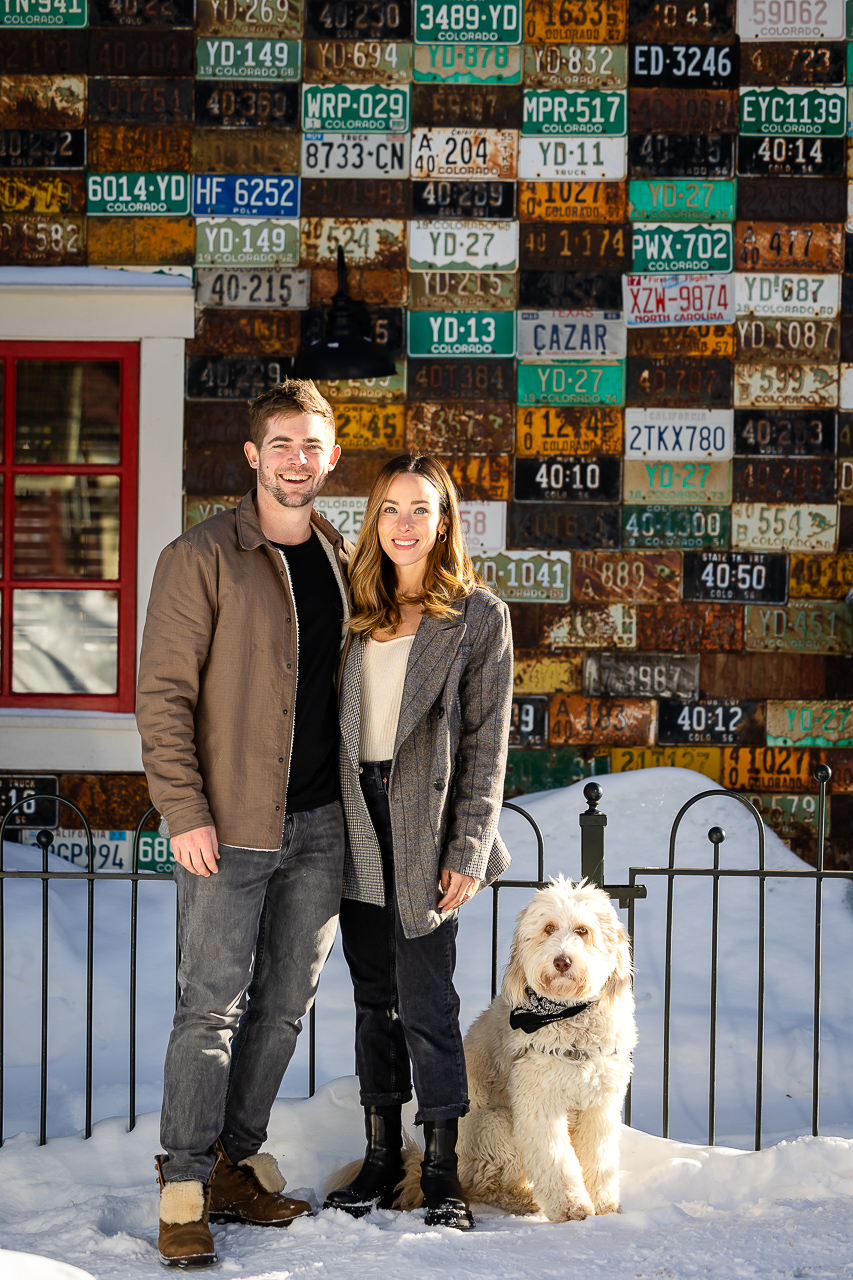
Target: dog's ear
point(514, 985)
point(620, 949)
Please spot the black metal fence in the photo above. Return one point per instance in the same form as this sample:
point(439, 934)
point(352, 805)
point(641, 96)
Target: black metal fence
point(592, 824)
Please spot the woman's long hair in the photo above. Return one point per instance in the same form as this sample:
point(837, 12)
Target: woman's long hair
point(448, 576)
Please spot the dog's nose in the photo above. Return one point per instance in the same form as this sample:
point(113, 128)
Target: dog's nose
point(562, 965)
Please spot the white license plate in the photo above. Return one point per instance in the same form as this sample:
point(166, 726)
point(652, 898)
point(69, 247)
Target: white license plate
point(570, 335)
point(463, 246)
point(678, 300)
point(764, 293)
point(364, 240)
point(692, 434)
point(845, 394)
point(346, 514)
point(793, 19)
point(784, 527)
point(355, 155)
point(769, 386)
point(464, 153)
point(243, 287)
point(603, 158)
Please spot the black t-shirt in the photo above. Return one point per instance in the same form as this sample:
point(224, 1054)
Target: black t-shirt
point(313, 777)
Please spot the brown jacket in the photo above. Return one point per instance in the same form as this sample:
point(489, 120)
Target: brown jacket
point(217, 678)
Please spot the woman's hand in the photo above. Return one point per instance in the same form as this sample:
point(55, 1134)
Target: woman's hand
point(456, 889)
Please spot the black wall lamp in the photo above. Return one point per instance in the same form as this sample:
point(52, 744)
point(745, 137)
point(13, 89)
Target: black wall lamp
point(344, 352)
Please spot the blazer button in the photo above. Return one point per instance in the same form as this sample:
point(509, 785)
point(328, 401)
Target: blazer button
point(440, 712)
point(360, 769)
point(438, 785)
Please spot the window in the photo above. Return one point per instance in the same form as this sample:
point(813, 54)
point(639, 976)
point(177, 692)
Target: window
point(68, 480)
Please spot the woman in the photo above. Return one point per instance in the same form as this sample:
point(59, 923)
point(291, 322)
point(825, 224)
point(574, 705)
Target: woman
point(425, 707)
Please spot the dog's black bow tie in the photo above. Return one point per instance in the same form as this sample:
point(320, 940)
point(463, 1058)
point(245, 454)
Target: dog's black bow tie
point(542, 1013)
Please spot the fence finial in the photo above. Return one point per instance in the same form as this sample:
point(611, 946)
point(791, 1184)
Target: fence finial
point(592, 824)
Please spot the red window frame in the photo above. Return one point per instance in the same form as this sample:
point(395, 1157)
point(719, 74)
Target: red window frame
point(127, 354)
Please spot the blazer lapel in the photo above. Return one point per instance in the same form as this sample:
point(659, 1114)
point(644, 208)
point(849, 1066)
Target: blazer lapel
point(350, 698)
point(433, 649)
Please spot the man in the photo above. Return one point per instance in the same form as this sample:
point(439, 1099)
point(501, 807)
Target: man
point(238, 716)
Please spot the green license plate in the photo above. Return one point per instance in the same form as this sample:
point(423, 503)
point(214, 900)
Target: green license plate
point(44, 13)
point(794, 113)
point(575, 111)
point(665, 247)
point(850, 19)
point(476, 22)
point(649, 527)
point(247, 242)
point(461, 333)
point(246, 59)
point(138, 193)
point(571, 383)
point(575, 66)
point(541, 769)
point(528, 576)
point(356, 108)
point(682, 200)
point(849, 60)
point(467, 64)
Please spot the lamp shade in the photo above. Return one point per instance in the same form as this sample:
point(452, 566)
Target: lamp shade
point(344, 352)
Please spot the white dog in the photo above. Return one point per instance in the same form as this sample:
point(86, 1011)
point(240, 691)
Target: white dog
point(547, 1089)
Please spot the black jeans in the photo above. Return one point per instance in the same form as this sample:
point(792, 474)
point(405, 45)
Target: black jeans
point(407, 1009)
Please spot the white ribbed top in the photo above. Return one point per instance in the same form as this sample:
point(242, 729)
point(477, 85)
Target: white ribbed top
point(383, 673)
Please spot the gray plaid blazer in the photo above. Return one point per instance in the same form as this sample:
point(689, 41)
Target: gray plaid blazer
point(447, 774)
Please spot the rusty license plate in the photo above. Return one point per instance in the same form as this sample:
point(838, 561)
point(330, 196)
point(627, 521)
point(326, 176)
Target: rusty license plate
point(467, 104)
point(550, 526)
point(524, 576)
point(43, 102)
point(717, 721)
point(605, 626)
point(604, 721)
point(780, 385)
point(809, 724)
point(55, 192)
point(142, 13)
point(575, 246)
point(246, 104)
point(784, 527)
point(749, 769)
point(240, 242)
point(796, 480)
point(570, 335)
point(686, 628)
point(467, 64)
point(804, 627)
point(678, 383)
point(243, 287)
point(462, 291)
point(449, 198)
point(570, 290)
point(458, 245)
point(567, 478)
point(282, 18)
point(383, 327)
point(117, 51)
point(791, 157)
point(43, 239)
point(365, 426)
point(142, 241)
point(547, 673)
point(152, 100)
point(763, 293)
point(794, 820)
point(650, 527)
point(388, 390)
point(845, 481)
point(355, 198)
point(464, 153)
point(766, 198)
point(677, 482)
point(528, 726)
point(780, 246)
point(556, 429)
point(680, 155)
point(471, 429)
point(250, 333)
point(680, 66)
point(357, 61)
point(245, 151)
point(380, 242)
point(232, 377)
point(788, 63)
point(247, 59)
point(659, 675)
point(41, 50)
point(572, 201)
point(482, 479)
point(42, 148)
point(809, 341)
point(348, 20)
point(745, 576)
point(575, 66)
point(433, 379)
point(143, 148)
point(705, 760)
point(581, 22)
point(544, 769)
point(688, 340)
point(818, 577)
point(681, 20)
point(635, 577)
point(682, 110)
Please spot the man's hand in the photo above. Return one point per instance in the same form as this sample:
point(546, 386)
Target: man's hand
point(197, 851)
point(456, 889)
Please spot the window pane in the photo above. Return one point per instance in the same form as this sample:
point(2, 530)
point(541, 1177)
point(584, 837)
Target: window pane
point(66, 526)
point(67, 411)
point(65, 642)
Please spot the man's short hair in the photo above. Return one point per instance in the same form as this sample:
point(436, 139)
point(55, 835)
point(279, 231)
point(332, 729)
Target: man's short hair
point(293, 396)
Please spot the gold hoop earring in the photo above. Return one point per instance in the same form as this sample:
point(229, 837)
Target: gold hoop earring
point(442, 537)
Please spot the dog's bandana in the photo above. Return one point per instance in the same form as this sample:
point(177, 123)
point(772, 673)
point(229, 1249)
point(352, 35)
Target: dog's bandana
point(538, 1011)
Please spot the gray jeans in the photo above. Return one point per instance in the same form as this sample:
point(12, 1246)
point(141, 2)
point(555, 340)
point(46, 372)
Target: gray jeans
point(254, 939)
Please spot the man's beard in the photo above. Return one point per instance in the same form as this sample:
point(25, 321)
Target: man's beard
point(301, 497)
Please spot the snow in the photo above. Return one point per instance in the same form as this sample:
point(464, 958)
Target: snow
point(688, 1209)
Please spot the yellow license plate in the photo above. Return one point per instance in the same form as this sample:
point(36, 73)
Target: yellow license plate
point(706, 760)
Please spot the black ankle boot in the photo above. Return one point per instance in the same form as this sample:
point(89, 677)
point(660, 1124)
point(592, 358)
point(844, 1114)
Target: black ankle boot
point(374, 1184)
point(444, 1200)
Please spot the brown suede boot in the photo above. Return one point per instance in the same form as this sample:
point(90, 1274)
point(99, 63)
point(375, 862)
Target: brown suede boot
point(185, 1239)
point(251, 1192)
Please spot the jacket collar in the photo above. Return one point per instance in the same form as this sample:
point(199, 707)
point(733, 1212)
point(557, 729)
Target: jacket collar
point(250, 534)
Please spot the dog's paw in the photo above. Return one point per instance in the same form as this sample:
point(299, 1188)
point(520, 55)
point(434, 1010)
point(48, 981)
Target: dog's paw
point(571, 1211)
point(608, 1206)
